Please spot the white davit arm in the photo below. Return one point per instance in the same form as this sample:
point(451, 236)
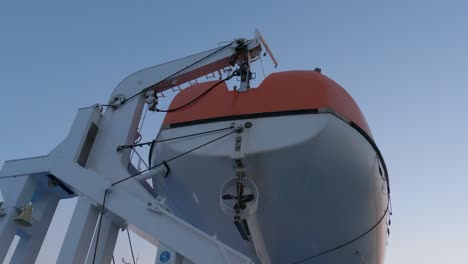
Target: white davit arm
point(188, 68)
point(87, 164)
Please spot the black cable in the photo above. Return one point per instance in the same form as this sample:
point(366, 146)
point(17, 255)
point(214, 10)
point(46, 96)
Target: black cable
point(14, 176)
point(198, 97)
point(150, 168)
point(350, 241)
point(193, 100)
point(202, 145)
point(99, 225)
point(154, 142)
point(175, 157)
point(174, 138)
point(131, 247)
point(177, 72)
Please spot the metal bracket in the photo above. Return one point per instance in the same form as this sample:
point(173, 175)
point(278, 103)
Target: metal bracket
point(158, 205)
point(117, 100)
point(151, 100)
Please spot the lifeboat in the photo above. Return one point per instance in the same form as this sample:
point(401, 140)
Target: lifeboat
point(291, 175)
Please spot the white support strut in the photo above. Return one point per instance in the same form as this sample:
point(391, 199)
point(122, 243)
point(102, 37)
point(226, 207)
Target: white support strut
point(87, 164)
point(146, 215)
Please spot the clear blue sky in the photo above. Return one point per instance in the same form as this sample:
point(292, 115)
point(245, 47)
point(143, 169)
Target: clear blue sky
point(405, 64)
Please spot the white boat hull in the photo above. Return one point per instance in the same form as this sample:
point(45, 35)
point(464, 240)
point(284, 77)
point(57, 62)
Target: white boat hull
point(318, 180)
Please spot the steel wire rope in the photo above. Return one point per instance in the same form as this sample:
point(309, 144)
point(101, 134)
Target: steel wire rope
point(176, 157)
point(99, 225)
point(174, 138)
point(350, 241)
point(154, 142)
point(169, 110)
point(172, 75)
point(131, 247)
point(195, 99)
point(177, 72)
point(139, 173)
point(157, 183)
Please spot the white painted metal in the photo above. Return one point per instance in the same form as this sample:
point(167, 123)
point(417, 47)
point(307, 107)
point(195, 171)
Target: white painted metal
point(80, 233)
point(195, 245)
point(156, 172)
point(142, 79)
point(32, 238)
point(318, 181)
point(128, 202)
point(259, 36)
point(18, 193)
point(107, 239)
point(166, 255)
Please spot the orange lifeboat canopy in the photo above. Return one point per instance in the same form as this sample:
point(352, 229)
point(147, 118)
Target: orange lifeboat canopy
point(282, 93)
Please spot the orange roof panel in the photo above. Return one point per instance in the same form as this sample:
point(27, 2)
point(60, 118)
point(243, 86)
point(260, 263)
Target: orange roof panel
point(282, 91)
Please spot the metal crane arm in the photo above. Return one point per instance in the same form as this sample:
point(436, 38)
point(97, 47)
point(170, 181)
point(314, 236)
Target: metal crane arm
point(86, 164)
point(195, 66)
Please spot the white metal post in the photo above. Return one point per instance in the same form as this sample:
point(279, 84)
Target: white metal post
point(30, 244)
point(79, 234)
point(108, 233)
point(17, 192)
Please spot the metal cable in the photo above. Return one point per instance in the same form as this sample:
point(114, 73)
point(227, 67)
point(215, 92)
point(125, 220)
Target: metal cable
point(200, 96)
point(350, 241)
point(156, 183)
point(174, 138)
point(193, 100)
point(134, 175)
point(131, 247)
point(175, 157)
point(99, 225)
point(177, 72)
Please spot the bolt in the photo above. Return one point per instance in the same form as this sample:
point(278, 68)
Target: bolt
point(239, 129)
